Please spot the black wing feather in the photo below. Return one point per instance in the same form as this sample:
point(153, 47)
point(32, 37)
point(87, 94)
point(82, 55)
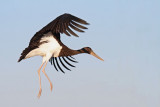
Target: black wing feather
point(75, 28)
point(53, 63)
point(71, 59)
point(71, 32)
point(59, 65)
point(78, 25)
point(63, 64)
point(61, 25)
point(68, 62)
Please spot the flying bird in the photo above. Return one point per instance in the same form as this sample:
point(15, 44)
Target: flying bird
point(47, 43)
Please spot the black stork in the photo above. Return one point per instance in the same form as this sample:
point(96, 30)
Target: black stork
point(47, 43)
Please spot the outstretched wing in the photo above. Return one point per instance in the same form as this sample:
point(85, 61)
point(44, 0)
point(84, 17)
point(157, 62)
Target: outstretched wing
point(62, 24)
point(54, 61)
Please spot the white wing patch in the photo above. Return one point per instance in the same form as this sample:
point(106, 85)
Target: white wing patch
point(49, 46)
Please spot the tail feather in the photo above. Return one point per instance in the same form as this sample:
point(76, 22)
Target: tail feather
point(25, 52)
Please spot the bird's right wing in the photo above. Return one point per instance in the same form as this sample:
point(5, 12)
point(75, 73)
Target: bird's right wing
point(62, 24)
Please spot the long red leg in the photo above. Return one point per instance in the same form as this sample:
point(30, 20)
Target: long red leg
point(40, 90)
point(43, 70)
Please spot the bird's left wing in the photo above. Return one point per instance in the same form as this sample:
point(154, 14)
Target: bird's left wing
point(62, 24)
point(54, 61)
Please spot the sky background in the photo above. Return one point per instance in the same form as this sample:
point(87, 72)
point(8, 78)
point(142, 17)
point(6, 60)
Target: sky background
point(125, 33)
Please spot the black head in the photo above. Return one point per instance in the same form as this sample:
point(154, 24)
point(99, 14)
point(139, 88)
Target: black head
point(90, 51)
point(87, 50)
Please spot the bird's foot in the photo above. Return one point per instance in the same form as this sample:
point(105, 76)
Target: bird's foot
point(39, 94)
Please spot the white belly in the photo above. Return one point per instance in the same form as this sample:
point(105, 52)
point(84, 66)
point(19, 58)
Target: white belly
point(49, 46)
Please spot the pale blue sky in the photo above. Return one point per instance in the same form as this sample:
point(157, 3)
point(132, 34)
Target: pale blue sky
point(125, 33)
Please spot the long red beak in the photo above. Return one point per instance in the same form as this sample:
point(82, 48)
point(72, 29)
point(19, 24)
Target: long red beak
point(95, 55)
